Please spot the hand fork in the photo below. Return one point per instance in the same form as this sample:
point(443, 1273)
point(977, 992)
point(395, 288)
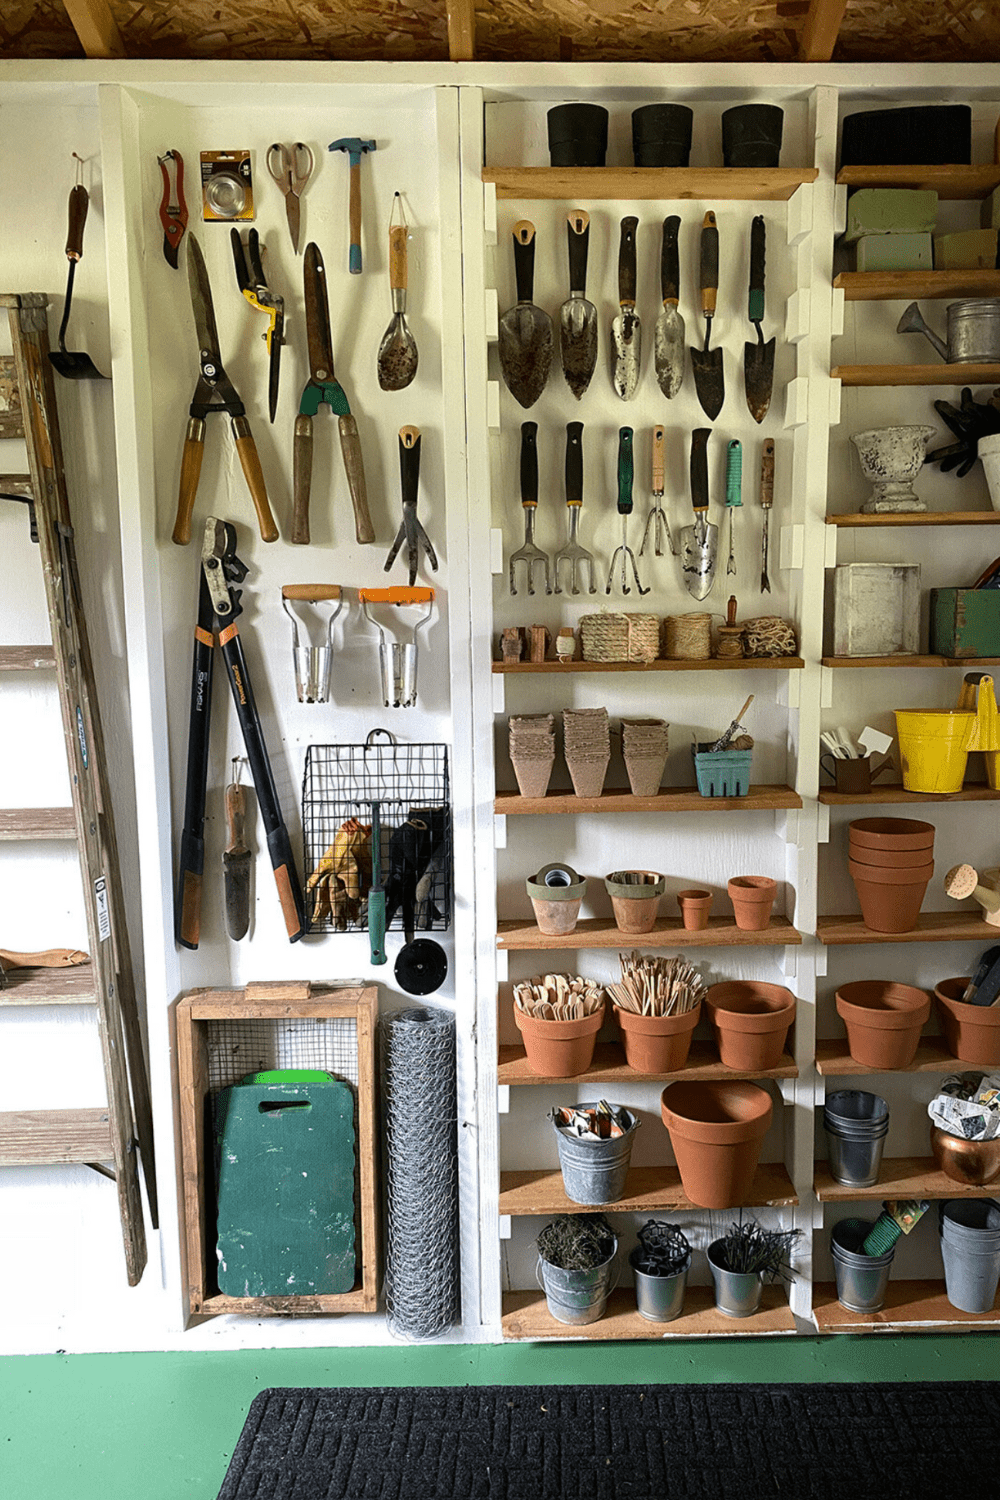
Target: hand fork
point(626, 469)
point(657, 517)
point(573, 553)
point(529, 554)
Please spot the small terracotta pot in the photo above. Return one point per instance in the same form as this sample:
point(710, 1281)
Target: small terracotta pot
point(972, 1032)
point(973, 1162)
point(883, 1021)
point(889, 859)
point(890, 899)
point(750, 1021)
point(635, 905)
point(556, 906)
point(695, 908)
point(716, 1131)
point(559, 1049)
point(752, 897)
point(891, 833)
point(656, 1044)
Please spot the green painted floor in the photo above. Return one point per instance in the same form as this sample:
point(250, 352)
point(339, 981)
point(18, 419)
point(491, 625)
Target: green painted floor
point(162, 1426)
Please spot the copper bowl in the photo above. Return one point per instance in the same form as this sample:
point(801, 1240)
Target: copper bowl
point(973, 1162)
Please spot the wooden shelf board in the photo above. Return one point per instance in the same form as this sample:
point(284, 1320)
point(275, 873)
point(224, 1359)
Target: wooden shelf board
point(918, 518)
point(900, 1177)
point(609, 1066)
point(54, 1137)
point(668, 799)
point(49, 987)
point(526, 1316)
point(890, 792)
point(767, 184)
point(29, 823)
point(903, 286)
point(601, 932)
point(358, 1300)
point(834, 1061)
point(707, 664)
point(940, 374)
point(900, 660)
point(932, 927)
point(952, 181)
point(909, 1307)
point(647, 1190)
point(26, 658)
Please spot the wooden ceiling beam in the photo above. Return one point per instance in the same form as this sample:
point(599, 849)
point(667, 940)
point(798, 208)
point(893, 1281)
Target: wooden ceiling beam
point(96, 27)
point(461, 30)
point(819, 34)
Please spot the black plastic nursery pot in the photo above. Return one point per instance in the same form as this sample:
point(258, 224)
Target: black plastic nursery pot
point(578, 135)
point(661, 135)
point(921, 134)
point(751, 135)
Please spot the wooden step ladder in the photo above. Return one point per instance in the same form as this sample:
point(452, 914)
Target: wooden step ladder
point(120, 1131)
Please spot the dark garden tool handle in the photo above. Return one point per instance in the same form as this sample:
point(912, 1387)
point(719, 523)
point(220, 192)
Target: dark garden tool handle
point(79, 202)
point(578, 237)
point(626, 471)
point(708, 276)
point(767, 474)
point(191, 862)
point(626, 262)
point(529, 465)
point(376, 896)
point(758, 233)
point(574, 463)
point(699, 469)
point(409, 463)
point(670, 266)
point(524, 259)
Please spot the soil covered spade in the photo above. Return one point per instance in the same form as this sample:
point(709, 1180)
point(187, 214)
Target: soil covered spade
point(626, 330)
point(669, 348)
point(577, 316)
point(699, 543)
point(758, 358)
point(709, 374)
point(525, 341)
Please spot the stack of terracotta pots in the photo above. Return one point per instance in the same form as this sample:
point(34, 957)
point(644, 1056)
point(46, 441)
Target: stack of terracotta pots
point(891, 863)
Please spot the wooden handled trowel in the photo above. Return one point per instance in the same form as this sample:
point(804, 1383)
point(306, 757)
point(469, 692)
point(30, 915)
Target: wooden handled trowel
point(699, 543)
point(236, 860)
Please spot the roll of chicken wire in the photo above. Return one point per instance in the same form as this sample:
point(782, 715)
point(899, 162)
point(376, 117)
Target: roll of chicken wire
point(420, 1114)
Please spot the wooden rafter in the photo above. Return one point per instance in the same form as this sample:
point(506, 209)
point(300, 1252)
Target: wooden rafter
point(96, 27)
point(819, 34)
point(461, 30)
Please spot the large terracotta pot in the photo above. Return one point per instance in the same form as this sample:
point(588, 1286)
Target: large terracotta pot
point(889, 859)
point(558, 1049)
point(752, 897)
point(890, 898)
point(972, 1032)
point(883, 1021)
point(656, 1044)
point(750, 1021)
point(716, 1131)
point(891, 833)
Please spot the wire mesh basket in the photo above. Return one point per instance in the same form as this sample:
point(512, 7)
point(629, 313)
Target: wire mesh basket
point(410, 785)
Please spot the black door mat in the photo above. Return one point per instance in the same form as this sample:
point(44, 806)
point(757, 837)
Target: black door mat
point(655, 1442)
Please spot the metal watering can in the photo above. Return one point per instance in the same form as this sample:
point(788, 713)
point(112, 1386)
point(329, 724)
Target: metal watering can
point(973, 330)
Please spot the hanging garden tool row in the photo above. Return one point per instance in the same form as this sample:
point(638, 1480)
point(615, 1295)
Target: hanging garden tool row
point(526, 342)
point(697, 545)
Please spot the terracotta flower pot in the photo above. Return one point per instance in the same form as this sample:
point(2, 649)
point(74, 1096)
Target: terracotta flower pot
point(716, 1131)
point(891, 833)
point(556, 893)
point(888, 859)
point(972, 1032)
point(559, 1049)
point(883, 1021)
point(890, 899)
point(750, 1021)
point(635, 901)
point(695, 909)
point(752, 897)
point(656, 1044)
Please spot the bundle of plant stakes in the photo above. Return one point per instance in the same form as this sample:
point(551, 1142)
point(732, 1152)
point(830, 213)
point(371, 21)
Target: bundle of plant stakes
point(749, 1247)
point(657, 986)
point(558, 997)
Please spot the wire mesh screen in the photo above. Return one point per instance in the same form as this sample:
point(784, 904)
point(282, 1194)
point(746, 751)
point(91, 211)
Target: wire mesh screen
point(410, 785)
point(236, 1048)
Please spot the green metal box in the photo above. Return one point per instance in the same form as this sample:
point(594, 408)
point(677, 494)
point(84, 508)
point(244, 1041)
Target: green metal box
point(965, 623)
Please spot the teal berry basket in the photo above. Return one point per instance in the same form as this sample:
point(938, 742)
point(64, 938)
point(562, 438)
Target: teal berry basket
point(722, 773)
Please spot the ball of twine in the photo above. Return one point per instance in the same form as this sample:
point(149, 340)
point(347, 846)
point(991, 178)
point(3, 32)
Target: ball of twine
point(729, 642)
point(769, 635)
point(688, 637)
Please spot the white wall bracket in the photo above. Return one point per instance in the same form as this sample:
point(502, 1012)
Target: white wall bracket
point(496, 550)
point(820, 960)
point(830, 547)
point(500, 832)
point(797, 402)
point(493, 405)
point(835, 389)
point(490, 212)
point(492, 314)
point(822, 822)
point(792, 548)
point(503, 1098)
point(499, 693)
point(505, 1226)
point(797, 316)
point(826, 685)
point(800, 213)
point(837, 312)
point(839, 210)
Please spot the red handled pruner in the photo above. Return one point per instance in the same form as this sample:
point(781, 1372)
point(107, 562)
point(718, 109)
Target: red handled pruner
point(173, 209)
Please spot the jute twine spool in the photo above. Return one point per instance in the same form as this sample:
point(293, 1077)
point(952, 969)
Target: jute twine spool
point(620, 637)
point(729, 642)
point(688, 637)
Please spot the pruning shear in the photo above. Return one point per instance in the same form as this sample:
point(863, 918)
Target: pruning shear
point(410, 531)
point(291, 167)
point(253, 284)
point(173, 209)
point(214, 392)
point(323, 389)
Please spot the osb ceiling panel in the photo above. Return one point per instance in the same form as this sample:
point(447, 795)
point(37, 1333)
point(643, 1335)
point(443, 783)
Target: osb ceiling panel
point(513, 30)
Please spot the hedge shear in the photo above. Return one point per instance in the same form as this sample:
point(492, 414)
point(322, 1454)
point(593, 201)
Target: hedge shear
point(218, 607)
point(214, 392)
point(323, 389)
point(253, 284)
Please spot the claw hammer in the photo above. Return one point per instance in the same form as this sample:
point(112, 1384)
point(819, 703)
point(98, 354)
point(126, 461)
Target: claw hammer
point(355, 147)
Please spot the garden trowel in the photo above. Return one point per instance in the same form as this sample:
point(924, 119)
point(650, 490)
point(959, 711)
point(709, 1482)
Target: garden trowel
point(577, 316)
point(758, 359)
point(670, 325)
point(709, 375)
point(626, 333)
point(699, 543)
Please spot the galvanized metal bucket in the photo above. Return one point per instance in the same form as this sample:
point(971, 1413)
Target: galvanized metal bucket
point(970, 1250)
point(974, 331)
point(856, 1125)
point(577, 1297)
point(862, 1280)
point(594, 1172)
point(659, 1299)
point(737, 1293)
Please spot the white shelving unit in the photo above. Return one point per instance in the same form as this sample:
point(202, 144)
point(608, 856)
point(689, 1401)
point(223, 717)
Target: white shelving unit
point(437, 128)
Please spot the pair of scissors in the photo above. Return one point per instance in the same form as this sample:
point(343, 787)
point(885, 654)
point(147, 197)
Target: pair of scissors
point(291, 167)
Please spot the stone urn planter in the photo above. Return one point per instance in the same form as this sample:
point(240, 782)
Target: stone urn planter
point(556, 892)
point(635, 898)
point(891, 459)
point(716, 1131)
point(883, 1020)
point(750, 1021)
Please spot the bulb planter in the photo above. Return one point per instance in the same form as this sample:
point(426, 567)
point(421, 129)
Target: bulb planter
point(716, 1131)
point(657, 1044)
point(558, 1049)
point(972, 1032)
point(556, 893)
point(695, 907)
point(752, 897)
point(883, 1021)
point(750, 1022)
point(635, 898)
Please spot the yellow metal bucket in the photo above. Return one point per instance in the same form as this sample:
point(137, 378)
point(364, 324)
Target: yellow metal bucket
point(978, 690)
point(934, 746)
